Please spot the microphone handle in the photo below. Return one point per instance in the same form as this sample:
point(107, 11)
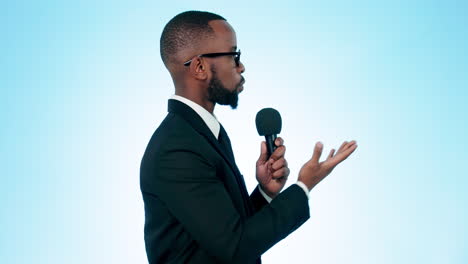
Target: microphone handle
point(270, 142)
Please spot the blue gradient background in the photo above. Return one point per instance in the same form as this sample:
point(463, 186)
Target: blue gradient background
point(83, 88)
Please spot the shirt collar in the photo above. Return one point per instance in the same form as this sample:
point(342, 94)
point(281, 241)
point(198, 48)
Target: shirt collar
point(209, 119)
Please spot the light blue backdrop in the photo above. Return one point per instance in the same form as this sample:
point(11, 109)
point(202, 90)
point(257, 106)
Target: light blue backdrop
point(83, 88)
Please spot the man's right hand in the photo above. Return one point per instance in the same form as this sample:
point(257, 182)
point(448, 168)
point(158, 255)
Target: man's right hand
point(314, 171)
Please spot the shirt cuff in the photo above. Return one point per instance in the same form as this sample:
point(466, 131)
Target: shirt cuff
point(304, 187)
point(268, 198)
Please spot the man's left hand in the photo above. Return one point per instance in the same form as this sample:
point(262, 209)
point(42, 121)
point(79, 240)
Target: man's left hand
point(272, 173)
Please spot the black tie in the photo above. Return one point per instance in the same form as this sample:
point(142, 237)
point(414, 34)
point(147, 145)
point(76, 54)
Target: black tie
point(225, 143)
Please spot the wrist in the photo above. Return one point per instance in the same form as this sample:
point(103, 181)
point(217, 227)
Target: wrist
point(303, 187)
point(310, 184)
point(268, 193)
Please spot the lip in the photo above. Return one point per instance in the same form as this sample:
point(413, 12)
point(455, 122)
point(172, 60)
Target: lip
point(241, 86)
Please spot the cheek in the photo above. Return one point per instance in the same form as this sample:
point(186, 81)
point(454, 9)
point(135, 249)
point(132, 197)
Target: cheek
point(236, 78)
point(231, 80)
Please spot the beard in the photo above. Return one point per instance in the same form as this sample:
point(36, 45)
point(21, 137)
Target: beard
point(217, 93)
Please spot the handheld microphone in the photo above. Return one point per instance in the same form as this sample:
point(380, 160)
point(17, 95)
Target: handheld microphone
point(268, 122)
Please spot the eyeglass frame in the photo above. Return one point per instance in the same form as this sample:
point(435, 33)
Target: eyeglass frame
point(236, 55)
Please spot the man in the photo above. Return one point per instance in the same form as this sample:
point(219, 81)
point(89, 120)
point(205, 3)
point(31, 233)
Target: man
point(197, 209)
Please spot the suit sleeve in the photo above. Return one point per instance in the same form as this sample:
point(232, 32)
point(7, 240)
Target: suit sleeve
point(257, 199)
point(188, 185)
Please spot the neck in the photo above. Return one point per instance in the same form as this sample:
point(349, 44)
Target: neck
point(198, 99)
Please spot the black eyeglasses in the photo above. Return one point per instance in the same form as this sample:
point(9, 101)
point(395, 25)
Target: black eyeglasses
point(236, 55)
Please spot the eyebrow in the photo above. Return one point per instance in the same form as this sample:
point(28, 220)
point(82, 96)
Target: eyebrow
point(234, 48)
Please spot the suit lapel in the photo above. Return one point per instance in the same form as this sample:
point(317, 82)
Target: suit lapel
point(226, 142)
point(199, 125)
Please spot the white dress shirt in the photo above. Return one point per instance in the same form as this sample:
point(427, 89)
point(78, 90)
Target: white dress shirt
point(212, 122)
point(209, 119)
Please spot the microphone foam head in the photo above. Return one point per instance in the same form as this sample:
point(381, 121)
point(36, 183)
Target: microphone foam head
point(268, 122)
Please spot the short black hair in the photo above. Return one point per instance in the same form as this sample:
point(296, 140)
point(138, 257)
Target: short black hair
point(183, 30)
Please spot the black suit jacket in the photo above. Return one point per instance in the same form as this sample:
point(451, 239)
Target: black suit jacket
point(197, 209)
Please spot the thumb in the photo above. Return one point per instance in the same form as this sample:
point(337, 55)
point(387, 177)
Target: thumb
point(317, 152)
point(263, 152)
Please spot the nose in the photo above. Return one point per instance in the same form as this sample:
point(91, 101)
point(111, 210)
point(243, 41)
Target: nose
point(241, 67)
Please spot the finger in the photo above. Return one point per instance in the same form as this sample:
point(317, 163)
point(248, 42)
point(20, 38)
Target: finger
point(347, 152)
point(279, 141)
point(342, 147)
point(317, 152)
point(339, 157)
point(281, 180)
point(332, 151)
point(278, 153)
point(350, 144)
point(283, 172)
point(279, 164)
point(263, 153)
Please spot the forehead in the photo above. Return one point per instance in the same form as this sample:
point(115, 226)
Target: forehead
point(225, 36)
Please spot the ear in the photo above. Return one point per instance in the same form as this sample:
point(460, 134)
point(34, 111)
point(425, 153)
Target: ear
point(199, 68)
